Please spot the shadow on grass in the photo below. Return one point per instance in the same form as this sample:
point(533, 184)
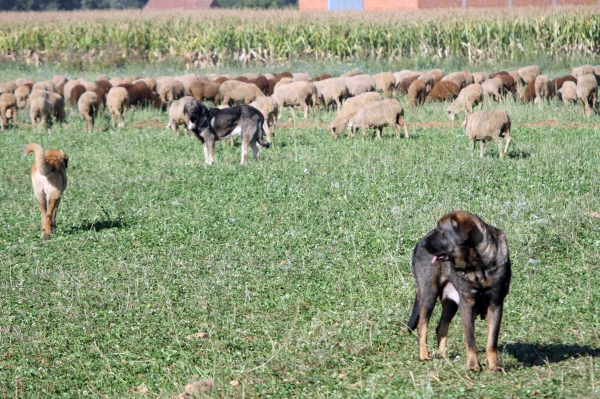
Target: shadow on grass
point(98, 225)
point(539, 354)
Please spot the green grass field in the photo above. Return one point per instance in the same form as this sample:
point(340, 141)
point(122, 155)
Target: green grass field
point(296, 266)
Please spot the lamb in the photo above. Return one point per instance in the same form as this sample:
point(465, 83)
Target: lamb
point(558, 82)
point(587, 92)
point(239, 92)
point(270, 110)
point(334, 91)
point(417, 93)
point(458, 78)
point(444, 91)
point(360, 84)
point(303, 94)
point(349, 109)
point(378, 115)
point(568, 92)
point(529, 73)
point(177, 116)
point(117, 101)
point(467, 98)
point(544, 89)
point(8, 109)
point(205, 91)
point(385, 83)
point(22, 95)
point(40, 111)
point(493, 87)
point(88, 105)
point(493, 124)
point(58, 106)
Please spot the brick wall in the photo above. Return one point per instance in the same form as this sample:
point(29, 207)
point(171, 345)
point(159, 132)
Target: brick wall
point(381, 5)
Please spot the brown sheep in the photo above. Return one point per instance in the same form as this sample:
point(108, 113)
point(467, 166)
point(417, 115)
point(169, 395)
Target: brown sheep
point(417, 93)
point(76, 93)
point(378, 115)
point(444, 91)
point(558, 82)
point(8, 109)
point(493, 125)
point(40, 111)
point(205, 91)
point(177, 116)
point(117, 102)
point(360, 84)
point(22, 94)
point(88, 105)
point(587, 92)
point(303, 94)
point(58, 106)
point(466, 100)
point(544, 89)
point(349, 109)
point(385, 83)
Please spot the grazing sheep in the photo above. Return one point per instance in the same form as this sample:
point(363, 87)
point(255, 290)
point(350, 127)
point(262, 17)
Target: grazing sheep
point(205, 91)
point(587, 92)
point(22, 95)
point(444, 91)
point(76, 93)
point(270, 110)
point(402, 87)
point(117, 102)
point(88, 105)
point(417, 93)
point(360, 84)
point(377, 115)
point(177, 116)
point(467, 98)
point(544, 89)
point(568, 92)
point(558, 82)
point(235, 92)
point(385, 83)
point(493, 87)
point(529, 73)
point(457, 78)
point(58, 106)
point(334, 91)
point(528, 94)
point(8, 109)
point(480, 77)
point(40, 111)
point(493, 124)
point(303, 94)
point(8, 87)
point(349, 109)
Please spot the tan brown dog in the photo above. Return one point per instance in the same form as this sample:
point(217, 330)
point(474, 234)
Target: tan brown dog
point(465, 263)
point(49, 179)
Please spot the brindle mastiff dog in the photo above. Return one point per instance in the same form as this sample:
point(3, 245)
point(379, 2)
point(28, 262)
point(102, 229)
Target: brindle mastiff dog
point(465, 263)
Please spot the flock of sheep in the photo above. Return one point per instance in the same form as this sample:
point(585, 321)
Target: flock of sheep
point(362, 101)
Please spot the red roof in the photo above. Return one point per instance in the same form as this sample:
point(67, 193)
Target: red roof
point(181, 4)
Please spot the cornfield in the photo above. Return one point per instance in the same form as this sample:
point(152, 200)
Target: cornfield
point(211, 37)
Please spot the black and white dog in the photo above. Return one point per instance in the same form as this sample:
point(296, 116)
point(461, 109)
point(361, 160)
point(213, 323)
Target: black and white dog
point(212, 124)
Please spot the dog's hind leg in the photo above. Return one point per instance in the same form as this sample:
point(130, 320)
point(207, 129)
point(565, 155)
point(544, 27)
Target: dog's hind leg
point(449, 309)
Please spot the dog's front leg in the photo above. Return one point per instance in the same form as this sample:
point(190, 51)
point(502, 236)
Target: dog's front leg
point(468, 322)
point(494, 316)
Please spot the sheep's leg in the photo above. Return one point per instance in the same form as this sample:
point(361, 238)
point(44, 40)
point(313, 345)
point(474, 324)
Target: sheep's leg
point(481, 147)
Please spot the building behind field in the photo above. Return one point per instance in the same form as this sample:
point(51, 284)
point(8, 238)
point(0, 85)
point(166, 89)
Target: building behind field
point(382, 5)
point(181, 4)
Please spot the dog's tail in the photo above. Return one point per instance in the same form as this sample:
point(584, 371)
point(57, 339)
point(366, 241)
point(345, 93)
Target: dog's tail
point(41, 165)
point(414, 317)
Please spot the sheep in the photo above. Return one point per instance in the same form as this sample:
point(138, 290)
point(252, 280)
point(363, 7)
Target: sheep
point(444, 91)
point(467, 98)
point(558, 82)
point(544, 89)
point(378, 115)
point(360, 84)
point(177, 116)
point(40, 111)
point(529, 73)
point(482, 126)
point(22, 95)
point(239, 92)
point(8, 87)
point(457, 78)
point(349, 109)
point(303, 94)
point(75, 94)
point(58, 106)
point(528, 94)
point(117, 102)
point(334, 90)
point(493, 87)
point(417, 93)
point(385, 83)
point(587, 92)
point(8, 109)
point(270, 110)
point(88, 105)
point(480, 77)
point(205, 91)
point(568, 92)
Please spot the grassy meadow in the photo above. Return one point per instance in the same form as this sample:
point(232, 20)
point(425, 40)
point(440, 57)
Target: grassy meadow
point(297, 267)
